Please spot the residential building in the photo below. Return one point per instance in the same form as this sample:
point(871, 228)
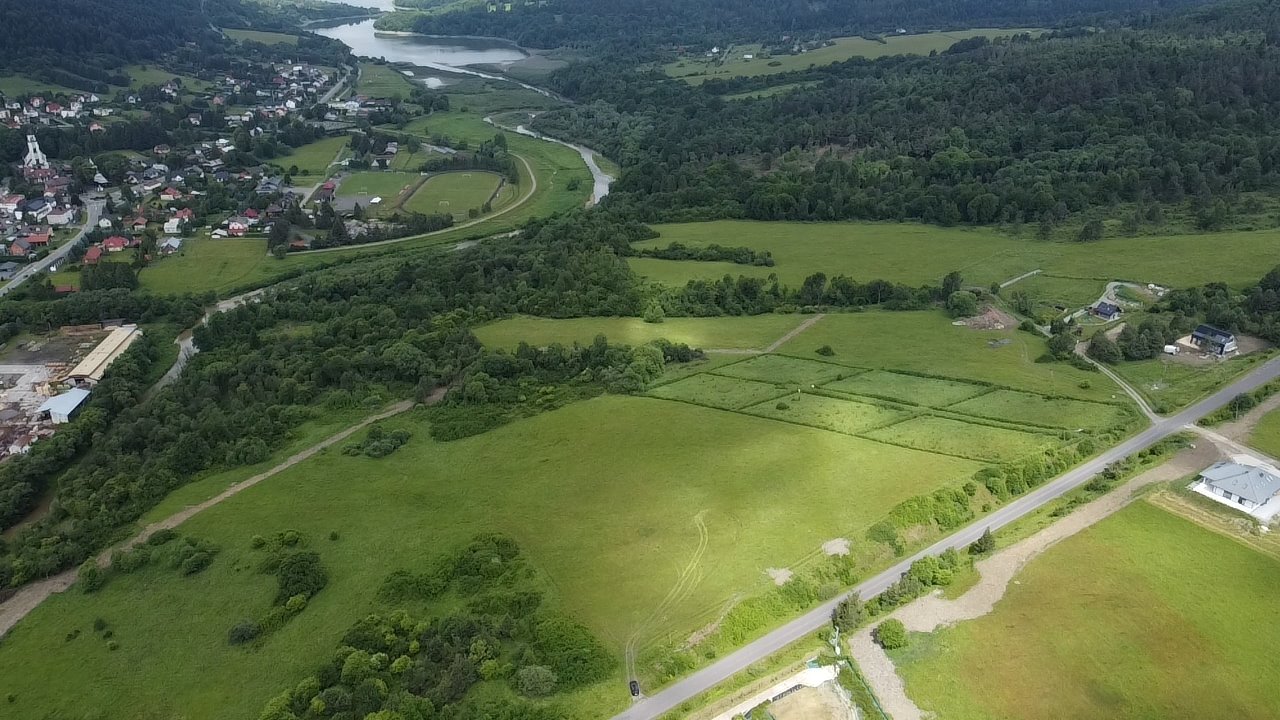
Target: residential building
point(93, 255)
point(1244, 483)
point(1107, 311)
point(1214, 340)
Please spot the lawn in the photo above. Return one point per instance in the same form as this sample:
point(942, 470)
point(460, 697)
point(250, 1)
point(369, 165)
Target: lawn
point(313, 158)
point(969, 440)
point(718, 391)
point(1021, 407)
point(1144, 615)
point(153, 75)
point(204, 264)
point(916, 254)
point(769, 91)
point(13, 86)
point(698, 70)
point(611, 535)
point(454, 192)
point(927, 342)
point(260, 36)
point(729, 332)
point(929, 392)
point(382, 81)
point(843, 416)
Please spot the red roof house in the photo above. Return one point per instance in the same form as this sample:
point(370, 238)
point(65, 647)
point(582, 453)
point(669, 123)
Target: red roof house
point(93, 255)
point(115, 243)
point(39, 238)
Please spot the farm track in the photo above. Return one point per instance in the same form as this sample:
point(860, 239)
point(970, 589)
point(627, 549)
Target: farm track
point(686, 580)
point(30, 596)
point(791, 335)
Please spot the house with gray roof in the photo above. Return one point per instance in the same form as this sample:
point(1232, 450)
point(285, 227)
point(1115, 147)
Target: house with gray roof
point(1248, 486)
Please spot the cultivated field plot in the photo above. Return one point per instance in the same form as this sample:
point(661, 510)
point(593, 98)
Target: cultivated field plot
point(843, 416)
point(603, 496)
point(1144, 615)
point(260, 36)
point(1021, 407)
point(205, 264)
point(719, 392)
point(968, 440)
point(787, 371)
point(382, 81)
point(929, 392)
point(698, 70)
point(454, 193)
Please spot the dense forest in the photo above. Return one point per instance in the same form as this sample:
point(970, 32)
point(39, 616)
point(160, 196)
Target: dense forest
point(640, 24)
point(84, 43)
point(1026, 130)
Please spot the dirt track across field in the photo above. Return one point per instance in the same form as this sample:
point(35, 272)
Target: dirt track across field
point(30, 596)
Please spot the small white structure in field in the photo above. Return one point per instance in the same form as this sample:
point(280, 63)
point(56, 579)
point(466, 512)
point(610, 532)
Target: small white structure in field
point(748, 56)
point(1170, 349)
point(375, 201)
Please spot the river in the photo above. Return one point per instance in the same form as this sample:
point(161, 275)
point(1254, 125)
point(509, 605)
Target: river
point(453, 55)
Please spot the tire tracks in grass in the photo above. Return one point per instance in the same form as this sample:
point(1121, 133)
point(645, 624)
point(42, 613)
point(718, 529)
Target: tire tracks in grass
point(686, 580)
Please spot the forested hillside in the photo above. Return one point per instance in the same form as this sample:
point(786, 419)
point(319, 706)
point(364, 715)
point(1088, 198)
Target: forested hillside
point(646, 23)
point(83, 43)
point(1025, 130)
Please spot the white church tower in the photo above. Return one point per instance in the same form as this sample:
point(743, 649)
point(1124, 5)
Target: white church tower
point(35, 156)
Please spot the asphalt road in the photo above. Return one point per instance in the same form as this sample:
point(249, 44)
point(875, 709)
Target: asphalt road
point(672, 696)
point(93, 210)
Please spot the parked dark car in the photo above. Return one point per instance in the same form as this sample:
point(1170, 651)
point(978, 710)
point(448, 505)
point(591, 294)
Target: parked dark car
point(635, 689)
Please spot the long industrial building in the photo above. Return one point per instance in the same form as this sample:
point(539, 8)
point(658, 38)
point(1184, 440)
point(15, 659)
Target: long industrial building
point(95, 364)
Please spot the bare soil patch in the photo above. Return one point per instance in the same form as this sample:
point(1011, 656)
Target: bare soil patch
point(825, 702)
point(991, 318)
point(838, 546)
point(780, 576)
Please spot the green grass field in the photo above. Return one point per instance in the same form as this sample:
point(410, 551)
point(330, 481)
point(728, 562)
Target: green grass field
point(729, 332)
point(698, 70)
point(366, 185)
point(779, 369)
point(841, 416)
point(313, 158)
point(259, 36)
point(152, 75)
point(670, 465)
point(929, 392)
point(382, 81)
point(204, 264)
point(721, 392)
point(1266, 434)
point(1169, 384)
point(927, 342)
point(454, 193)
point(12, 86)
point(956, 437)
point(767, 92)
point(916, 254)
point(1145, 615)
point(1023, 407)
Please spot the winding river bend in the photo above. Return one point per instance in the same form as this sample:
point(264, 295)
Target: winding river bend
point(452, 55)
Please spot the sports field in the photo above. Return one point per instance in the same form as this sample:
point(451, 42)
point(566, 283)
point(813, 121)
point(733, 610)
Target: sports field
point(313, 158)
point(366, 185)
point(205, 264)
point(697, 70)
point(613, 537)
point(455, 193)
point(1145, 615)
point(915, 254)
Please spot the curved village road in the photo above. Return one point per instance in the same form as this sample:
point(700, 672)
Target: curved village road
point(672, 696)
point(93, 210)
